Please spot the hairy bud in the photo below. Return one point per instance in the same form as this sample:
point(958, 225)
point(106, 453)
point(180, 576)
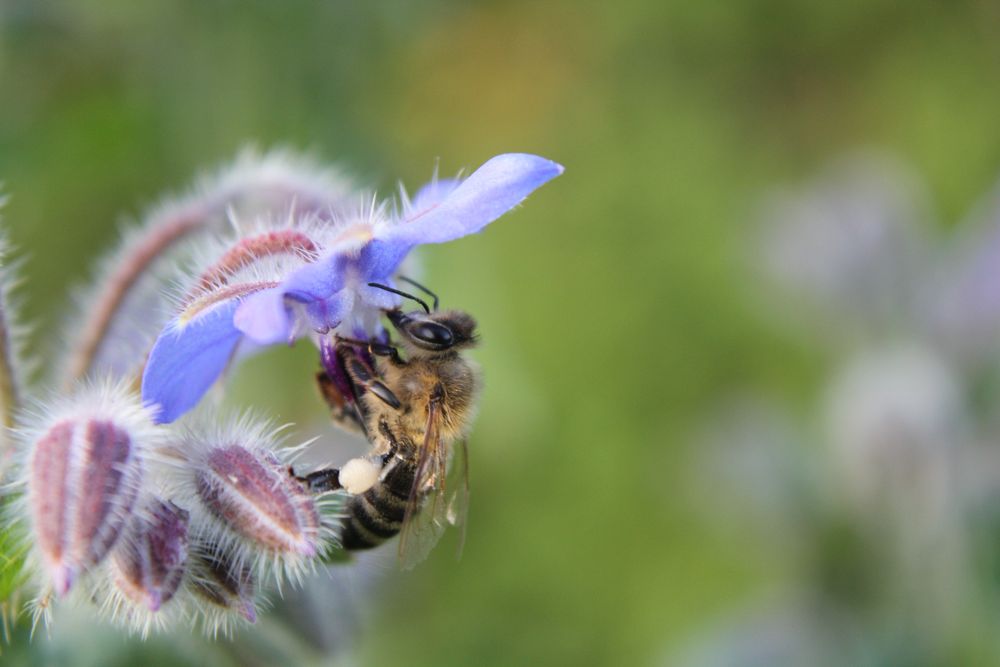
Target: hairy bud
point(235, 480)
point(82, 476)
point(222, 587)
point(257, 498)
point(149, 566)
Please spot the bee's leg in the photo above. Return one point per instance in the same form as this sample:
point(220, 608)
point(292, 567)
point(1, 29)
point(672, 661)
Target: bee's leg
point(366, 378)
point(338, 390)
point(376, 349)
point(320, 480)
point(355, 477)
point(390, 437)
point(388, 351)
point(344, 411)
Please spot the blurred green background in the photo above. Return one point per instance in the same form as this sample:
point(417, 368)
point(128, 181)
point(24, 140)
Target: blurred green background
point(614, 305)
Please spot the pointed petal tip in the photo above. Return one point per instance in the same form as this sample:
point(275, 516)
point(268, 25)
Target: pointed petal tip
point(497, 186)
point(249, 612)
point(156, 412)
point(528, 162)
point(306, 548)
point(63, 578)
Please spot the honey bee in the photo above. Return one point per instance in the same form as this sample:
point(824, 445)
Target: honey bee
point(413, 409)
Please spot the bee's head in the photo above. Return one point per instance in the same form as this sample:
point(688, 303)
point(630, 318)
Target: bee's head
point(430, 330)
point(437, 331)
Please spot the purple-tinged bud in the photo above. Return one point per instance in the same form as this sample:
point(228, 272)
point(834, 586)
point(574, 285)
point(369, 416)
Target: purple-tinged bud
point(253, 494)
point(252, 249)
point(83, 480)
point(149, 566)
point(223, 582)
point(83, 463)
point(234, 478)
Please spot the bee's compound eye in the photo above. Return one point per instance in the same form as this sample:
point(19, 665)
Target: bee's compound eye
point(432, 333)
point(359, 475)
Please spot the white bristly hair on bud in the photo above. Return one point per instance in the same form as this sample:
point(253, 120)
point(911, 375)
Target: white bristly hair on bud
point(118, 318)
point(234, 477)
point(358, 475)
point(82, 460)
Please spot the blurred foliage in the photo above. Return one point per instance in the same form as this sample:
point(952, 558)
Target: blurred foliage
point(615, 306)
point(13, 549)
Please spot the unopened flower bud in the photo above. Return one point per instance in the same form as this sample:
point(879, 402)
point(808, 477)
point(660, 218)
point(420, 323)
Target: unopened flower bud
point(228, 586)
point(82, 477)
point(237, 484)
point(257, 498)
point(149, 566)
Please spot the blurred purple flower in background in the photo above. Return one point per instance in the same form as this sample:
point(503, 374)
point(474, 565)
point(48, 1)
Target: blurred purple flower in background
point(886, 514)
point(330, 288)
point(855, 244)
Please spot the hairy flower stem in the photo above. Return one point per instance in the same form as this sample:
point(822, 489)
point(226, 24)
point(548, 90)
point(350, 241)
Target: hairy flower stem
point(269, 183)
point(158, 240)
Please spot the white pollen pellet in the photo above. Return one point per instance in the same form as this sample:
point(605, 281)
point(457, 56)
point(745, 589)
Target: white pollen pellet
point(359, 475)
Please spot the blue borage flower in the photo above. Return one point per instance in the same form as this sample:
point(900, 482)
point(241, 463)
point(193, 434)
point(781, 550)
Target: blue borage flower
point(330, 289)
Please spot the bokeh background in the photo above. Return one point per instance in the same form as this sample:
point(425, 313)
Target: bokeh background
point(662, 467)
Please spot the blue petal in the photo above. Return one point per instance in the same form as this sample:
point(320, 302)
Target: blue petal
point(378, 261)
point(266, 317)
point(328, 313)
point(492, 190)
point(187, 359)
point(380, 299)
point(431, 194)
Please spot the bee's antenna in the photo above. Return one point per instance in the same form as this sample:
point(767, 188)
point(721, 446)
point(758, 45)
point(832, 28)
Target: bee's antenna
point(421, 288)
point(403, 294)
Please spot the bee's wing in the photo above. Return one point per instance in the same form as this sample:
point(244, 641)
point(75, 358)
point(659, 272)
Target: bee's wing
point(426, 514)
point(458, 504)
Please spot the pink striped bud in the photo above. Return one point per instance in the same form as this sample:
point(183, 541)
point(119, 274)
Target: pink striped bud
point(84, 458)
point(83, 477)
point(253, 494)
point(148, 567)
point(233, 476)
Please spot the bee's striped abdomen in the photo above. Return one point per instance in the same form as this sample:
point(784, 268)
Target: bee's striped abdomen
point(377, 515)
